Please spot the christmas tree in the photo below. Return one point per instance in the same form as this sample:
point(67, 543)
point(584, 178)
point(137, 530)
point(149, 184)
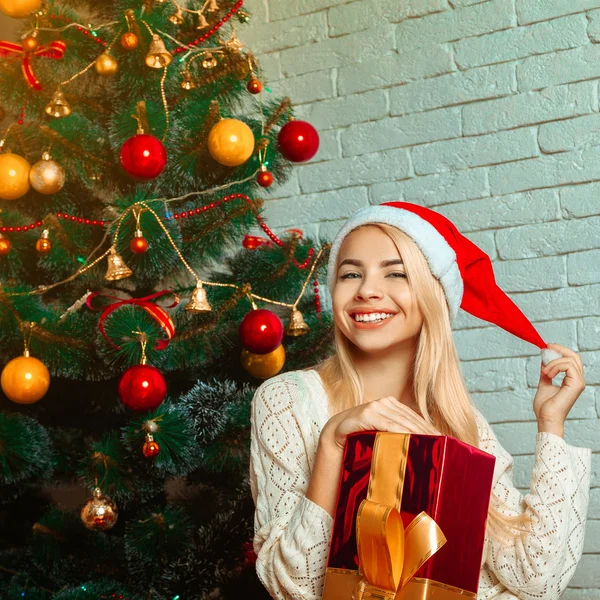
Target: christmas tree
point(143, 297)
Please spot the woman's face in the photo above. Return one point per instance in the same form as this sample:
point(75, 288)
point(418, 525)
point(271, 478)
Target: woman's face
point(372, 304)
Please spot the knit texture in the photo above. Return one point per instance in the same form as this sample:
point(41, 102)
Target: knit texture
point(292, 534)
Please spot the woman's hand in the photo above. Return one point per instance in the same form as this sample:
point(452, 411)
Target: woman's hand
point(385, 414)
point(552, 403)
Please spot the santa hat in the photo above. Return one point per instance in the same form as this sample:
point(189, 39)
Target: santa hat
point(464, 270)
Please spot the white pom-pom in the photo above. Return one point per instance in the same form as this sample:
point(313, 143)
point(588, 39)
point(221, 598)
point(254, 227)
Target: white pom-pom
point(548, 355)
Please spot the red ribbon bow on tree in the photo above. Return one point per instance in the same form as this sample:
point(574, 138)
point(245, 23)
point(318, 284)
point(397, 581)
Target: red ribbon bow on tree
point(52, 50)
point(156, 312)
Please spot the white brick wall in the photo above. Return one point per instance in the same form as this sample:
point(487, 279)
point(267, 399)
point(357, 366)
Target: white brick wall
point(488, 112)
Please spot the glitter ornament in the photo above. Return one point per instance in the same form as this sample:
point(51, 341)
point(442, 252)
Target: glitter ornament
point(99, 513)
point(47, 176)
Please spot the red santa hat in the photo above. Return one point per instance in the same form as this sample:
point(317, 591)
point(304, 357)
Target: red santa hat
point(464, 270)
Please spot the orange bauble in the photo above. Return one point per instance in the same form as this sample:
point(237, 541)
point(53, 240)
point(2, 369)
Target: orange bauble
point(231, 142)
point(263, 366)
point(129, 41)
point(14, 176)
point(19, 9)
point(5, 245)
point(44, 245)
point(29, 43)
point(25, 380)
point(138, 244)
point(254, 86)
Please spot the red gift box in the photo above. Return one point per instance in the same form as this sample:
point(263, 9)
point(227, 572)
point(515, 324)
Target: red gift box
point(410, 519)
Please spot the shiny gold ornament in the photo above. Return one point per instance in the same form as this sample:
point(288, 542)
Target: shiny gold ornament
point(5, 245)
point(198, 301)
point(231, 142)
point(18, 9)
point(30, 43)
point(99, 513)
point(263, 366)
point(233, 45)
point(14, 176)
point(209, 61)
point(177, 17)
point(106, 65)
point(25, 379)
point(202, 22)
point(117, 269)
point(187, 83)
point(158, 56)
point(296, 324)
point(129, 41)
point(44, 245)
point(58, 107)
point(47, 176)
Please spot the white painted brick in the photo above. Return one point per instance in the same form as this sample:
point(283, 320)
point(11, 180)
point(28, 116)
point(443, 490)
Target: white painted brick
point(455, 24)
point(580, 200)
point(579, 594)
point(587, 575)
point(325, 206)
point(593, 30)
point(344, 111)
point(517, 405)
point(329, 146)
point(494, 375)
point(328, 229)
point(592, 536)
point(305, 88)
point(495, 342)
point(546, 171)
point(547, 239)
point(485, 240)
point(570, 134)
point(584, 267)
point(530, 11)
point(369, 14)
point(284, 10)
point(358, 170)
point(336, 52)
point(531, 274)
point(459, 3)
point(456, 88)
point(258, 10)
point(531, 107)
point(283, 190)
point(504, 211)
point(594, 508)
point(401, 131)
point(270, 66)
point(477, 151)
point(588, 335)
point(565, 303)
point(310, 230)
point(567, 66)
point(519, 438)
point(297, 31)
point(521, 42)
point(433, 190)
point(394, 69)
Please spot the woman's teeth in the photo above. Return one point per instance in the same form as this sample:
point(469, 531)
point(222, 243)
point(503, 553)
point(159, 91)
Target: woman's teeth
point(370, 318)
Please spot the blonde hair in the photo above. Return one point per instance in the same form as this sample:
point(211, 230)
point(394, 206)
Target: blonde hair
point(438, 385)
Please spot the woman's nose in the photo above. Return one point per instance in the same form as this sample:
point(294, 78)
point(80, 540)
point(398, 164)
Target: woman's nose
point(368, 289)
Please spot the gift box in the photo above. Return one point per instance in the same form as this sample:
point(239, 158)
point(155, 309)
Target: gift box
point(410, 519)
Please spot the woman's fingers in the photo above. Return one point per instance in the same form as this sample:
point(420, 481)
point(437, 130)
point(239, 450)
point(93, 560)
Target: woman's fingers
point(407, 419)
point(413, 416)
point(567, 352)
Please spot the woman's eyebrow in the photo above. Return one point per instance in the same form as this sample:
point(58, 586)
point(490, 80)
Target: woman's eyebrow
point(384, 263)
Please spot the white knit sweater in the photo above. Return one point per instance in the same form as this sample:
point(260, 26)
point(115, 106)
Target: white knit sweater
point(292, 534)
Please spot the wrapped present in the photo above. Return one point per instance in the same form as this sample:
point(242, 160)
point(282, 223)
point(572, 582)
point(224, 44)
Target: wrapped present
point(410, 519)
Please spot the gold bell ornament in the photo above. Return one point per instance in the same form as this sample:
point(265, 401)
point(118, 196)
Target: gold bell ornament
point(117, 269)
point(213, 6)
point(187, 83)
point(198, 302)
point(177, 17)
point(202, 22)
point(99, 513)
point(158, 56)
point(58, 107)
point(296, 325)
point(209, 61)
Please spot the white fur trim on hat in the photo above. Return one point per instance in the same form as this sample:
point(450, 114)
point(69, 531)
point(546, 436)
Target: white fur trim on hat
point(439, 254)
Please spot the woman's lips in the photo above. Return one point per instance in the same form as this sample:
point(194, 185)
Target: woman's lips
point(371, 325)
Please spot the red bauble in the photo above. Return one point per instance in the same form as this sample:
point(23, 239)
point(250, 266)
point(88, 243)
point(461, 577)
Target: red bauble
point(138, 245)
point(264, 178)
point(150, 448)
point(142, 387)
point(261, 331)
point(143, 156)
point(298, 141)
point(254, 86)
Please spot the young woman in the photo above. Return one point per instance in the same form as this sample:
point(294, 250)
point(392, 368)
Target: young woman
point(398, 273)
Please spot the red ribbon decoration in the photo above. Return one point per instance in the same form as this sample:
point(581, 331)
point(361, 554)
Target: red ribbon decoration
point(55, 49)
point(156, 312)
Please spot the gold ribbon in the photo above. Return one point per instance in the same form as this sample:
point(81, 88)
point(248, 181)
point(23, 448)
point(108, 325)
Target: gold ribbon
point(388, 554)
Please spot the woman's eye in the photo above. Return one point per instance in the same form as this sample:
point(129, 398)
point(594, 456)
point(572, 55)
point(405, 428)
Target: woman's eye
point(348, 275)
point(352, 275)
point(397, 274)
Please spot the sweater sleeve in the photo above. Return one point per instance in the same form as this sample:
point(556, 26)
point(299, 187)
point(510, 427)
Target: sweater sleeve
point(540, 563)
point(291, 533)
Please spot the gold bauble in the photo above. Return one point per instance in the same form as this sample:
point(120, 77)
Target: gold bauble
point(14, 176)
point(19, 9)
point(129, 41)
point(106, 65)
point(25, 379)
point(29, 43)
point(231, 142)
point(263, 366)
point(47, 176)
point(99, 513)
